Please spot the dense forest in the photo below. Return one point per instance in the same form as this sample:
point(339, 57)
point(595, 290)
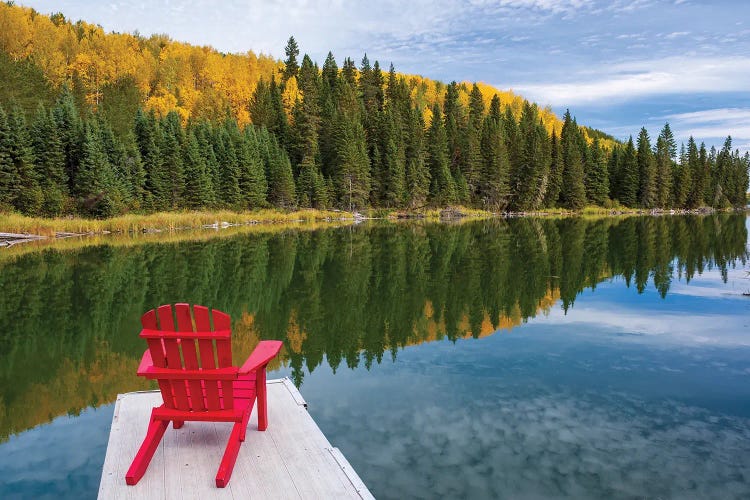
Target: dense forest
point(400, 285)
point(102, 124)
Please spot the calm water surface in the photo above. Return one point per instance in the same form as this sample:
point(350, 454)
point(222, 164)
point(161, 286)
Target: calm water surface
point(503, 359)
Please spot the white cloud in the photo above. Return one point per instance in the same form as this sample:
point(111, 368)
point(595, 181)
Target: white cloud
point(630, 80)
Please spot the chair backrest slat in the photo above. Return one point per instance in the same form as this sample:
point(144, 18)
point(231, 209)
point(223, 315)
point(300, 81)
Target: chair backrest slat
point(174, 360)
point(207, 355)
point(224, 355)
point(156, 348)
point(189, 355)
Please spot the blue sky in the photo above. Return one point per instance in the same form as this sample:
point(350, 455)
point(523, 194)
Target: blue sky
point(616, 64)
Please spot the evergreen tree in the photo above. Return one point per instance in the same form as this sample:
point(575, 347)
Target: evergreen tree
point(472, 166)
point(172, 140)
point(228, 181)
point(554, 184)
point(197, 179)
point(50, 162)
point(352, 172)
point(8, 173)
point(664, 157)
point(394, 160)
point(628, 168)
point(253, 183)
point(574, 192)
point(157, 182)
point(278, 169)
point(493, 186)
point(442, 187)
point(291, 67)
point(95, 182)
point(694, 166)
point(647, 196)
point(417, 172)
point(70, 130)
point(682, 179)
point(597, 177)
point(29, 195)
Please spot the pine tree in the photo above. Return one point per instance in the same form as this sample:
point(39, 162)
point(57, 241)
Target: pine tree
point(597, 177)
point(172, 140)
point(352, 166)
point(682, 179)
point(694, 166)
point(291, 67)
point(554, 185)
point(574, 192)
point(394, 161)
point(647, 196)
point(70, 130)
point(8, 173)
point(278, 169)
point(50, 162)
point(442, 187)
point(472, 166)
point(95, 182)
point(228, 181)
point(417, 172)
point(197, 179)
point(253, 183)
point(665, 152)
point(628, 189)
point(493, 187)
point(29, 196)
point(157, 182)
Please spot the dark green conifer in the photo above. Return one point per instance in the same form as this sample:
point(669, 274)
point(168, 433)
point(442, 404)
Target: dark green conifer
point(50, 162)
point(442, 187)
point(291, 67)
point(597, 178)
point(493, 187)
point(647, 196)
point(573, 194)
point(628, 189)
point(29, 195)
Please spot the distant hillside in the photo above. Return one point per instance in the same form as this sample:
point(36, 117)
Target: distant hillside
point(101, 124)
point(163, 75)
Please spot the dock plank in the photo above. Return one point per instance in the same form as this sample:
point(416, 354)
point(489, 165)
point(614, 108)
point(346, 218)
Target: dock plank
point(291, 459)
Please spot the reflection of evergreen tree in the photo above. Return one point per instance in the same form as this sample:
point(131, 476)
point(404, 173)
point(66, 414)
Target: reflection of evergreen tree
point(339, 296)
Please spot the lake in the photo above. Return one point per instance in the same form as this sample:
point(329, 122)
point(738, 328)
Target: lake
point(519, 358)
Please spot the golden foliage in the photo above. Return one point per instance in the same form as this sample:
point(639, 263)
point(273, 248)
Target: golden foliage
point(197, 82)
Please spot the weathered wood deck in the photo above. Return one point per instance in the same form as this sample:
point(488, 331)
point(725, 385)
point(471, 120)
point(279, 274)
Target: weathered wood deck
point(291, 459)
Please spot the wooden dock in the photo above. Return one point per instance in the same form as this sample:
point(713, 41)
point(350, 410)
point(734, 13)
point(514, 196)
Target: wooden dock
point(291, 459)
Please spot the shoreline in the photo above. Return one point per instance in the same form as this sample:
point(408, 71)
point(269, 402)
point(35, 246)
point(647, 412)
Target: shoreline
point(16, 229)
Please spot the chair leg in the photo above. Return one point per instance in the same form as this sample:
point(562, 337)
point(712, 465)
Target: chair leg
point(177, 424)
point(245, 421)
point(146, 452)
point(260, 392)
point(230, 457)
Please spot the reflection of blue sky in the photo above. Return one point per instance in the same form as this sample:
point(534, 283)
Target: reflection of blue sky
point(62, 459)
point(706, 311)
point(543, 413)
point(628, 395)
point(617, 64)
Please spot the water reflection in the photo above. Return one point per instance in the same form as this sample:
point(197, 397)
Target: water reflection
point(342, 297)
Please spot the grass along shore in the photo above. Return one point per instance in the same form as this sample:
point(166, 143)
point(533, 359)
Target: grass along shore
point(174, 221)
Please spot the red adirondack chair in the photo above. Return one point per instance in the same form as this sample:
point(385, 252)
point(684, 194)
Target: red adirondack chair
point(205, 386)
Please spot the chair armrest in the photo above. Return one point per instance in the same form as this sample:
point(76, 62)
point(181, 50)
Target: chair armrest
point(264, 352)
point(146, 363)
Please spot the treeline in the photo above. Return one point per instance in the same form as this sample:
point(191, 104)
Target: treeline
point(60, 164)
point(350, 138)
point(399, 285)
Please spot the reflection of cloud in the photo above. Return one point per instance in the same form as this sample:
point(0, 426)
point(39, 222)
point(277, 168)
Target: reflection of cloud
point(678, 327)
point(545, 445)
